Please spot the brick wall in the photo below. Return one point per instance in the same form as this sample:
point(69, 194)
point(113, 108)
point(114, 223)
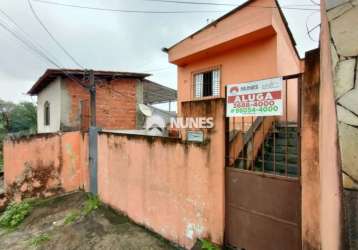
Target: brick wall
point(116, 104)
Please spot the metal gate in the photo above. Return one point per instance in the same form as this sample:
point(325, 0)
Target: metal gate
point(263, 190)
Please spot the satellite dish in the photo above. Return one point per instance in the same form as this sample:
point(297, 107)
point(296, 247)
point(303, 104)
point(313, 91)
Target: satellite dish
point(147, 111)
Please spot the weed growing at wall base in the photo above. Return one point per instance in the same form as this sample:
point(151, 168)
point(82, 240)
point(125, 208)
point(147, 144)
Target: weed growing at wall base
point(39, 240)
point(207, 245)
point(14, 214)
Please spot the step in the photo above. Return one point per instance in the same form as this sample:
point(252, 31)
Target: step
point(282, 134)
point(279, 149)
point(268, 156)
point(285, 130)
point(281, 142)
point(292, 169)
point(286, 124)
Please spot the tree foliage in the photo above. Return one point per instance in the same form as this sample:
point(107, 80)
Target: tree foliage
point(16, 118)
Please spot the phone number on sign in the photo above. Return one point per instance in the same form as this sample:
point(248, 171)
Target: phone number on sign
point(253, 110)
point(254, 104)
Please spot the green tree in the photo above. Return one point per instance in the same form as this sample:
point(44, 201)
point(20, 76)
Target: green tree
point(16, 118)
point(23, 118)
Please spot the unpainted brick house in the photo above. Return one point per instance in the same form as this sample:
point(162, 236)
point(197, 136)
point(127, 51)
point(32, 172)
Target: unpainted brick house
point(64, 105)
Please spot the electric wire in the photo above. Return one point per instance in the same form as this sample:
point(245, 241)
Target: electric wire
point(292, 7)
point(27, 35)
point(52, 36)
point(126, 10)
point(30, 45)
point(169, 12)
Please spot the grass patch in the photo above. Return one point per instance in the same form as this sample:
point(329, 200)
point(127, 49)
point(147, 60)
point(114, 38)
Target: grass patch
point(91, 204)
point(72, 217)
point(208, 245)
point(39, 240)
point(15, 214)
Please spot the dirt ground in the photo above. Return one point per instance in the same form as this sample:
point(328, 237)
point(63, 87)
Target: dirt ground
point(101, 229)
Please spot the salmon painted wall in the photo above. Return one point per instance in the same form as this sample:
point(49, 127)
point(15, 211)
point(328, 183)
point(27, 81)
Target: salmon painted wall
point(251, 44)
point(331, 212)
point(252, 61)
point(228, 29)
point(174, 188)
point(46, 164)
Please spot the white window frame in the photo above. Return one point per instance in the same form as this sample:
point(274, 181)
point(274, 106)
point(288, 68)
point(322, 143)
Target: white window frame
point(198, 81)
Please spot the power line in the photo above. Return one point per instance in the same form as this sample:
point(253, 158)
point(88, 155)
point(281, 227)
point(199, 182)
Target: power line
point(288, 7)
point(195, 3)
point(30, 45)
point(28, 37)
point(52, 36)
point(127, 11)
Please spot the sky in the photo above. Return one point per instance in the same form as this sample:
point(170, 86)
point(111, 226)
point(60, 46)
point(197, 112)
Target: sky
point(112, 40)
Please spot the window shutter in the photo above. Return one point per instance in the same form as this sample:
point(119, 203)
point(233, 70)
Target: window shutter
point(199, 80)
point(216, 83)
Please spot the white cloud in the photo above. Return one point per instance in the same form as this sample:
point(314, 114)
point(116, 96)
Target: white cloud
point(109, 40)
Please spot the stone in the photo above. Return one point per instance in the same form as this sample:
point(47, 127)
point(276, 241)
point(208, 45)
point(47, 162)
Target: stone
point(330, 4)
point(355, 2)
point(349, 183)
point(350, 101)
point(348, 140)
point(344, 77)
point(346, 116)
point(3, 202)
point(338, 11)
point(36, 183)
point(334, 55)
point(24, 188)
point(345, 33)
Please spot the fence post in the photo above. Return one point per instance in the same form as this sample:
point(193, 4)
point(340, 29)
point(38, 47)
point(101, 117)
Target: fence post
point(93, 158)
point(310, 171)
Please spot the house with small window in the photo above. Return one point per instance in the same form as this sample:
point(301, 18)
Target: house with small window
point(63, 101)
point(250, 48)
point(235, 48)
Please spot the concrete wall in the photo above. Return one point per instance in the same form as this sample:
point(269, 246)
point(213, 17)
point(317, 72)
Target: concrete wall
point(339, 119)
point(251, 44)
point(52, 94)
point(172, 187)
point(45, 165)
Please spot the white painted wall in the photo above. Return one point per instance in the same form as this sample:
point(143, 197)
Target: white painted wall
point(52, 94)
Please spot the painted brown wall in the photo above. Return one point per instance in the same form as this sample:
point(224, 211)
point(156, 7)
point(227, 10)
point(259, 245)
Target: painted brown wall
point(46, 164)
point(310, 171)
point(116, 103)
point(171, 187)
point(329, 159)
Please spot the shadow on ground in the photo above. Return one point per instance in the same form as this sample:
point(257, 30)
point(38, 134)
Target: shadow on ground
point(101, 229)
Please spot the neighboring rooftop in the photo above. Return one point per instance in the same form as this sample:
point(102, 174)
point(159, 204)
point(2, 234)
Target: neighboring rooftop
point(225, 37)
point(52, 74)
point(154, 93)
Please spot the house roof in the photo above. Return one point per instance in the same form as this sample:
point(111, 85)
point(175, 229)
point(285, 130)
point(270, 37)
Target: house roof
point(52, 74)
point(153, 92)
point(230, 13)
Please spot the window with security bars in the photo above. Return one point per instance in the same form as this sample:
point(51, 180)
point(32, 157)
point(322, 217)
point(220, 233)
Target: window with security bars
point(207, 84)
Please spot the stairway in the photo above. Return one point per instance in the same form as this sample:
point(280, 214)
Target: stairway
point(280, 150)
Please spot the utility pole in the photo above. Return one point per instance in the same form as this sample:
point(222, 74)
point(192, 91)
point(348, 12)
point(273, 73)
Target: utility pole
point(93, 134)
point(92, 90)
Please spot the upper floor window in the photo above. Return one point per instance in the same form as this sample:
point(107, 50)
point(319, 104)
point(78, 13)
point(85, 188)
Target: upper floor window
point(207, 83)
point(47, 113)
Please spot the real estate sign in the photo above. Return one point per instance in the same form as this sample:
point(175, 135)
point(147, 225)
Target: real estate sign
point(258, 98)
